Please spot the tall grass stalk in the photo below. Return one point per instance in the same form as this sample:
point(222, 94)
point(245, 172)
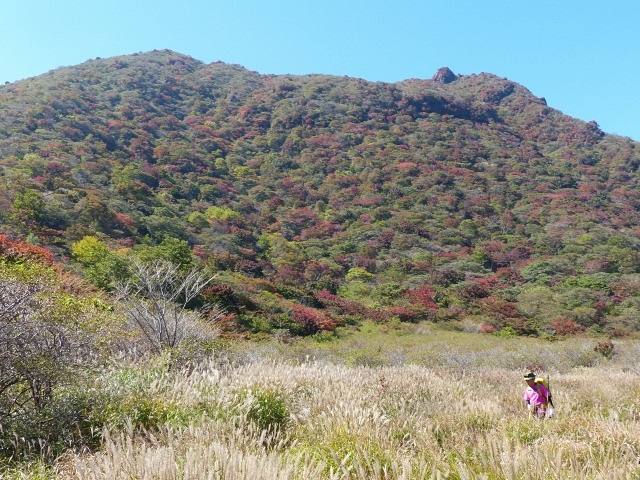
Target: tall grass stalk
point(430, 405)
point(391, 422)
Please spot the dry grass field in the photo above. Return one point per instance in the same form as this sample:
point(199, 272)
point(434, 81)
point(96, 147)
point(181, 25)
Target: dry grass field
point(400, 403)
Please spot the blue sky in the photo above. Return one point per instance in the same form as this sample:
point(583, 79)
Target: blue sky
point(582, 56)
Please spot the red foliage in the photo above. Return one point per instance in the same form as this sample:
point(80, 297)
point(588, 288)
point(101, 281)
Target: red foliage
point(228, 324)
point(219, 293)
point(421, 296)
point(312, 320)
point(408, 168)
point(488, 283)
point(508, 276)
point(248, 268)
point(54, 168)
point(95, 168)
point(322, 229)
point(349, 260)
point(601, 264)
point(565, 326)
point(223, 261)
point(604, 348)
point(406, 165)
point(382, 240)
point(499, 308)
point(366, 218)
point(403, 313)
point(369, 201)
point(601, 305)
point(453, 255)
point(451, 222)
point(274, 202)
point(446, 277)
point(486, 328)
point(296, 220)
point(407, 226)
point(624, 288)
point(72, 133)
point(474, 290)
point(510, 257)
point(17, 251)
point(348, 307)
point(289, 274)
point(314, 270)
point(493, 247)
point(422, 266)
point(124, 220)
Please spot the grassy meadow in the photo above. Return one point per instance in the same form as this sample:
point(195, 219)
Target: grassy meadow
point(400, 402)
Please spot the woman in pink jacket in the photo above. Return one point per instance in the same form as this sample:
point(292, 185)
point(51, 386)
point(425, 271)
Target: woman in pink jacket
point(536, 395)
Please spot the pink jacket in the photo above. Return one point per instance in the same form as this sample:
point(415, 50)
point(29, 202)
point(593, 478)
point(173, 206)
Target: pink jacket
point(536, 395)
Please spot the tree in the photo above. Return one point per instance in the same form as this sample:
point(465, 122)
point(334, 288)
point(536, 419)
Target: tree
point(89, 250)
point(172, 250)
point(101, 266)
point(359, 273)
point(48, 338)
point(163, 223)
point(198, 220)
point(387, 293)
point(221, 213)
point(94, 213)
point(28, 207)
point(539, 272)
point(156, 301)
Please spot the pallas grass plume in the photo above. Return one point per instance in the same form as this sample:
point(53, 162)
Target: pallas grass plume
point(385, 422)
point(421, 410)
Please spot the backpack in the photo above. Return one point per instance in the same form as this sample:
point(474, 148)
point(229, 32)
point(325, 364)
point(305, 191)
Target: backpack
point(545, 381)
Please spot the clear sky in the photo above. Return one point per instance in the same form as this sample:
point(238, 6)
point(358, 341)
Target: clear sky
point(583, 56)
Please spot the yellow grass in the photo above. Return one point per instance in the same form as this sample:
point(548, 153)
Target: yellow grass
point(457, 415)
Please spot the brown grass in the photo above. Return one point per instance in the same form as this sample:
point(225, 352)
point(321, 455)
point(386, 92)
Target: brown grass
point(458, 415)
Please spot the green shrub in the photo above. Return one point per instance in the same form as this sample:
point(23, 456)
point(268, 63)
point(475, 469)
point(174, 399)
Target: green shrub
point(506, 332)
point(595, 282)
point(267, 409)
point(73, 419)
point(539, 272)
point(324, 336)
point(359, 273)
point(50, 343)
point(365, 358)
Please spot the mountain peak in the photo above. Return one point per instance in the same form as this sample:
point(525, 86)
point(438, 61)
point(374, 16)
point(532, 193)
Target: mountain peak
point(444, 75)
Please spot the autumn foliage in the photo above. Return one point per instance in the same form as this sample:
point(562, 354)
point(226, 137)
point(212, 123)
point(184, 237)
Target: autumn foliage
point(468, 200)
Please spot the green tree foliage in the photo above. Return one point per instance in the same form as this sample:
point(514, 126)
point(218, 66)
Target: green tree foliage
point(172, 250)
point(539, 272)
point(102, 266)
point(359, 273)
point(28, 208)
point(89, 250)
point(474, 188)
point(221, 213)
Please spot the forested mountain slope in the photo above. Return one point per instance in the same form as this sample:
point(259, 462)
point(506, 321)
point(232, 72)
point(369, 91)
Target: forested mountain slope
point(324, 200)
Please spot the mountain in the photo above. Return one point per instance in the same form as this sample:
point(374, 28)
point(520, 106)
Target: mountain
point(326, 200)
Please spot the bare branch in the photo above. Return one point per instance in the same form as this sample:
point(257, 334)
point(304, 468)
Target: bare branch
point(156, 299)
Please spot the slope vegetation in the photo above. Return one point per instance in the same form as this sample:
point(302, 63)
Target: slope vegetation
point(326, 200)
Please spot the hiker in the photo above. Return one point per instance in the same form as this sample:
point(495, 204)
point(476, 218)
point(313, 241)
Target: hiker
point(536, 395)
